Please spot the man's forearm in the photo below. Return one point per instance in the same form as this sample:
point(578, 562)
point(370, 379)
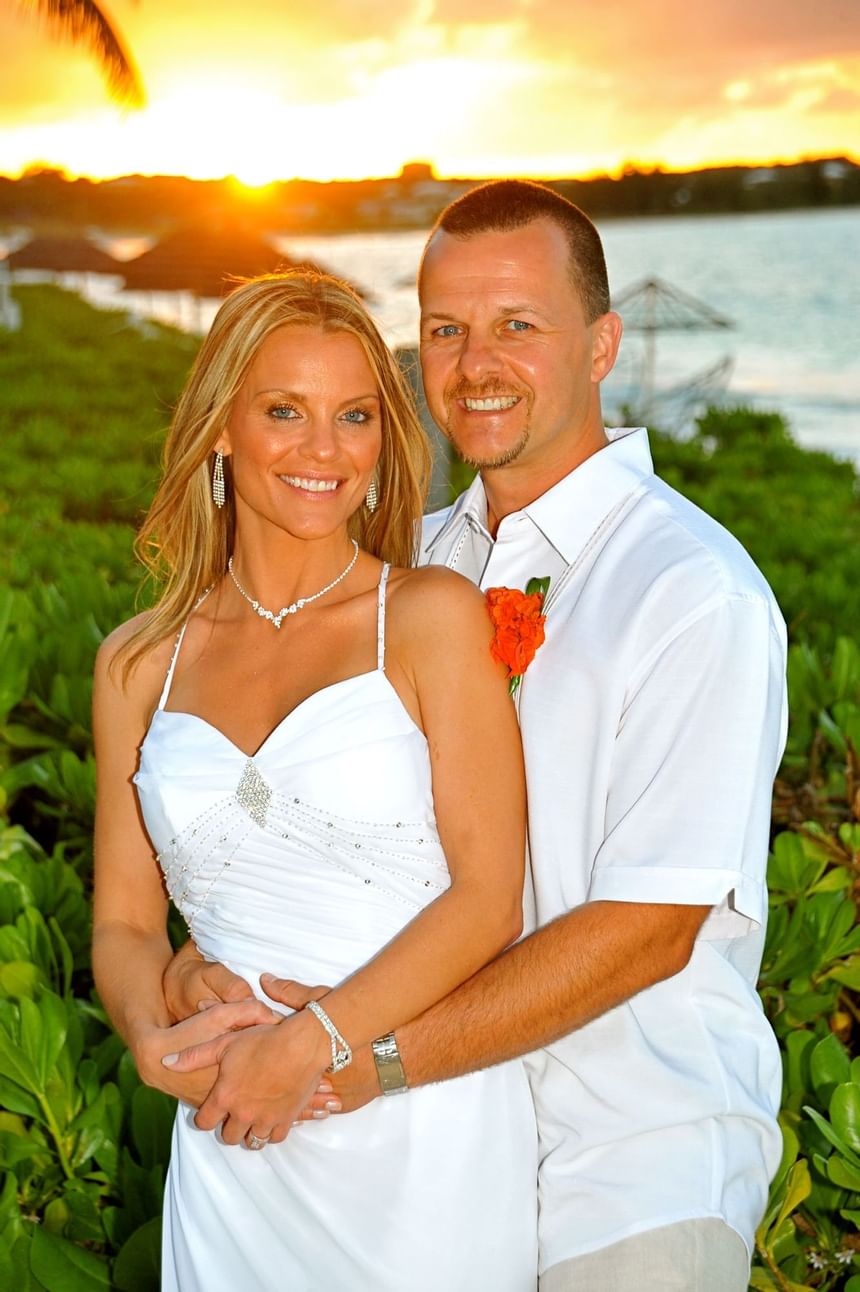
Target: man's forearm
point(549, 984)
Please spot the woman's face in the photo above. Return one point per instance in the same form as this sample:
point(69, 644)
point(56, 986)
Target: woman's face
point(305, 432)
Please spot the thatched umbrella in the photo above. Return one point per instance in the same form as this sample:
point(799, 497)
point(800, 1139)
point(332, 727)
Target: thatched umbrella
point(654, 306)
point(203, 261)
point(64, 255)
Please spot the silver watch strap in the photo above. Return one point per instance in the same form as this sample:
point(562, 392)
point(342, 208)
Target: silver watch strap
point(341, 1054)
point(389, 1066)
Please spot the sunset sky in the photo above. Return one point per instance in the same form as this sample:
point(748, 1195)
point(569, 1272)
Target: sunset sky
point(270, 89)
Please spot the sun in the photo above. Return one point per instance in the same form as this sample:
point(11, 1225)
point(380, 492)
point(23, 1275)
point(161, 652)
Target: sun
point(209, 132)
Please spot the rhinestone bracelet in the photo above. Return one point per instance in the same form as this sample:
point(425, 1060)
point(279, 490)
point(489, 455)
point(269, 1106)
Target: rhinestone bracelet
point(341, 1054)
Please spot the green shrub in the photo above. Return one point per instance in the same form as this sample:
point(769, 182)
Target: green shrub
point(811, 978)
point(83, 1145)
point(84, 400)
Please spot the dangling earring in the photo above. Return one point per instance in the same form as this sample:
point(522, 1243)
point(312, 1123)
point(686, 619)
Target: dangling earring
point(372, 499)
point(218, 494)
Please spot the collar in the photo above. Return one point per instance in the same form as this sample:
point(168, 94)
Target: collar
point(470, 508)
point(569, 512)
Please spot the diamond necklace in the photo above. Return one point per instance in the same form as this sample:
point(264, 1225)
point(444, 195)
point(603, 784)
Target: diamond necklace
point(277, 619)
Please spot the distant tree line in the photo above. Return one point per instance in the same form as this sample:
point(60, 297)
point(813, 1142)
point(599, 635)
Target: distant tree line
point(46, 198)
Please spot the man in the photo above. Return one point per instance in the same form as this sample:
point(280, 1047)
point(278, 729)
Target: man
point(653, 720)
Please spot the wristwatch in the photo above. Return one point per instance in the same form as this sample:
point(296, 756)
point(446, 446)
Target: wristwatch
point(389, 1067)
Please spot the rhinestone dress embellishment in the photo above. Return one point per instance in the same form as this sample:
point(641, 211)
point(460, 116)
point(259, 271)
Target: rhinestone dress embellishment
point(253, 794)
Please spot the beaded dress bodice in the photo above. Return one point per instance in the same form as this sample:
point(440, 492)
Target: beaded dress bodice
point(305, 858)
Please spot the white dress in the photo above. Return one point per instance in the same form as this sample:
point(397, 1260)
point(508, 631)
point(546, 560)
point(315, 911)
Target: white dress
point(304, 860)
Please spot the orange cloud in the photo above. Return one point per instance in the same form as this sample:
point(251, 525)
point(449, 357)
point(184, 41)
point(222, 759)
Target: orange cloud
point(479, 86)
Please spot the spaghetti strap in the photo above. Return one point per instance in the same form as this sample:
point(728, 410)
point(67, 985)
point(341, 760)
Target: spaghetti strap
point(165, 690)
point(380, 619)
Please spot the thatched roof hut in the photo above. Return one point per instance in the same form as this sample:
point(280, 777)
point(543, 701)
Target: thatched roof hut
point(203, 261)
point(64, 255)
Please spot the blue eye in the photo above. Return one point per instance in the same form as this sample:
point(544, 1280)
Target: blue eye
point(357, 416)
point(518, 325)
point(447, 329)
point(283, 412)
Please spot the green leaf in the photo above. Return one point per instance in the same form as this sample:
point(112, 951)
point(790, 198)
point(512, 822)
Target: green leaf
point(98, 1130)
point(19, 978)
point(798, 1187)
point(791, 869)
point(84, 1225)
point(18, 1100)
point(829, 1066)
point(845, 668)
point(832, 1137)
point(845, 1114)
point(137, 1268)
point(832, 881)
point(55, 1216)
point(16, 1065)
point(43, 1032)
point(538, 585)
point(24, 1280)
point(142, 1195)
point(7, 1270)
point(21, 737)
point(798, 1048)
point(843, 1174)
point(790, 1149)
point(9, 1207)
point(152, 1116)
point(64, 1267)
point(761, 1281)
point(848, 972)
point(15, 1149)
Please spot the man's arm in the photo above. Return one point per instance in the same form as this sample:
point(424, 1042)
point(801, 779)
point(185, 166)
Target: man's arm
point(566, 974)
point(549, 984)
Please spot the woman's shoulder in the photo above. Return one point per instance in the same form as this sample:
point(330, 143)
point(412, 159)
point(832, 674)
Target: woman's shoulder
point(435, 590)
point(148, 668)
point(434, 608)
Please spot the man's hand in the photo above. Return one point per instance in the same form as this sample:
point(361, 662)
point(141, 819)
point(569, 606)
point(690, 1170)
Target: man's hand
point(191, 983)
point(354, 1086)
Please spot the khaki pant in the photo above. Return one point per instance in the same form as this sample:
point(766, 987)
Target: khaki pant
point(692, 1256)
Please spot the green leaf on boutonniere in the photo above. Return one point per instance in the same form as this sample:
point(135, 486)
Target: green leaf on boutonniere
point(538, 585)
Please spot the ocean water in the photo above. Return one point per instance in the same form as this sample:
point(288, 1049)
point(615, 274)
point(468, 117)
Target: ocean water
point(789, 283)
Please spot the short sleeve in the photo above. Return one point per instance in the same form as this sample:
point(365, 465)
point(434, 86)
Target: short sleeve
point(697, 748)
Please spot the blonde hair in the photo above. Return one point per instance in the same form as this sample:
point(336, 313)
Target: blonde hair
point(185, 540)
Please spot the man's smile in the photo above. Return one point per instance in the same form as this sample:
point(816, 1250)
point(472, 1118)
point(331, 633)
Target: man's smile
point(494, 404)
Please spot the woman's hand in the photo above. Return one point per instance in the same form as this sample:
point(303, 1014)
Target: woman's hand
point(352, 1088)
point(265, 1077)
point(192, 1087)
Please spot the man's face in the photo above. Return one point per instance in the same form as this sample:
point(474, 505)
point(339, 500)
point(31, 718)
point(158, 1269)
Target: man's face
point(511, 368)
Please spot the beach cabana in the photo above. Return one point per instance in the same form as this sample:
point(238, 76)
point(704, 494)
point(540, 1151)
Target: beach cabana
point(204, 261)
point(653, 306)
point(63, 255)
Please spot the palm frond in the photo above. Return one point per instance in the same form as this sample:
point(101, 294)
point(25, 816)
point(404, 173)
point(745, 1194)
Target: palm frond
point(83, 23)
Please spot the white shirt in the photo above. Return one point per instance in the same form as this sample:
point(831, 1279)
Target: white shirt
point(653, 721)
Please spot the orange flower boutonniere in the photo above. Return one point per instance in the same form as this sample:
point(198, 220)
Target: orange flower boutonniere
point(519, 626)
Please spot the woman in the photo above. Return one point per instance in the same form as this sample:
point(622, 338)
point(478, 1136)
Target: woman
point(322, 754)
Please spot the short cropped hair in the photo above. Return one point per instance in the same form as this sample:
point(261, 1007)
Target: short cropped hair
point(505, 204)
